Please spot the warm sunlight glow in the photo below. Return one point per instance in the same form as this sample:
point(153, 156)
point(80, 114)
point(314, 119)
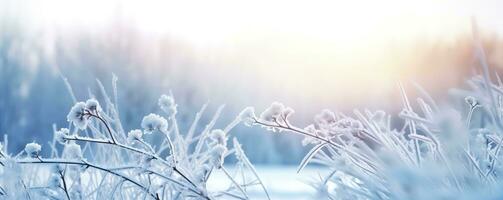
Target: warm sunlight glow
point(333, 42)
point(207, 22)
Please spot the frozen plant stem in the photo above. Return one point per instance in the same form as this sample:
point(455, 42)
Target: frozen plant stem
point(300, 131)
point(122, 166)
point(493, 161)
point(104, 122)
point(114, 142)
point(76, 138)
point(87, 165)
point(470, 115)
point(65, 189)
point(234, 182)
point(171, 146)
point(468, 122)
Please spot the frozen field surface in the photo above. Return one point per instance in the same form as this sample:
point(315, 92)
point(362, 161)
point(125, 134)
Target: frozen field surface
point(283, 182)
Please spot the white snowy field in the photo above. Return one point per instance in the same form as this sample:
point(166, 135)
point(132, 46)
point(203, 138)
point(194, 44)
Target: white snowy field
point(282, 182)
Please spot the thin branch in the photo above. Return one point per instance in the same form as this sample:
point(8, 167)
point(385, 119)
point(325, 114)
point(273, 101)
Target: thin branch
point(87, 165)
point(65, 188)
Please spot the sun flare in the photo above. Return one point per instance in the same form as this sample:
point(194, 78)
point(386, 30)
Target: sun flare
point(350, 22)
point(336, 43)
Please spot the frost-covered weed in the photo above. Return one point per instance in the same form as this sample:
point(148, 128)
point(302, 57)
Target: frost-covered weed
point(153, 122)
point(438, 152)
point(100, 160)
point(167, 104)
point(32, 149)
point(134, 135)
point(60, 136)
point(247, 116)
point(77, 115)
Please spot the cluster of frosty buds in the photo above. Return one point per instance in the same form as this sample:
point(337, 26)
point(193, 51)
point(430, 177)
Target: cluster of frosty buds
point(93, 106)
point(167, 104)
point(217, 155)
point(328, 125)
point(276, 112)
point(218, 136)
point(32, 149)
point(247, 116)
point(348, 125)
point(325, 118)
point(218, 148)
point(60, 136)
point(153, 122)
point(134, 135)
point(471, 101)
point(78, 114)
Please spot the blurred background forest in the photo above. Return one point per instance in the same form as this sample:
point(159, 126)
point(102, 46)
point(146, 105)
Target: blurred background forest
point(222, 57)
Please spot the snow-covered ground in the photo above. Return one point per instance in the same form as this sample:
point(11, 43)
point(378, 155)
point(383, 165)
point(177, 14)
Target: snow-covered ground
point(283, 182)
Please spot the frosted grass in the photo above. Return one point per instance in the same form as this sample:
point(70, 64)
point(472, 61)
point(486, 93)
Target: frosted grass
point(95, 158)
